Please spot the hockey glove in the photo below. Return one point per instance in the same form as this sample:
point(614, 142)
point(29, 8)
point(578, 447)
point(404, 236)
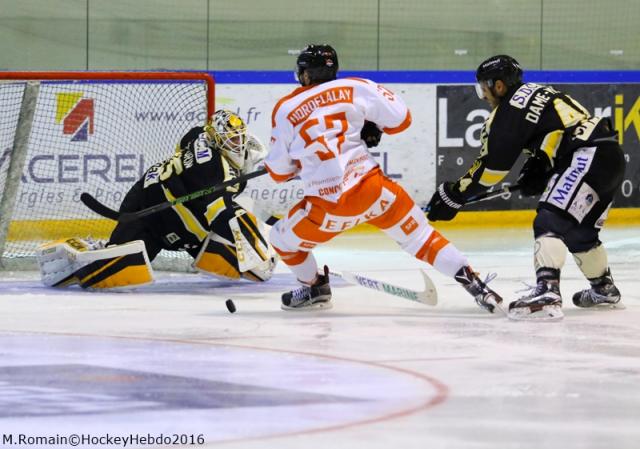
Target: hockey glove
point(445, 203)
point(534, 175)
point(370, 134)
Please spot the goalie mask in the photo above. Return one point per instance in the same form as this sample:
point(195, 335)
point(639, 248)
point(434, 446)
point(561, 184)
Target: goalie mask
point(229, 133)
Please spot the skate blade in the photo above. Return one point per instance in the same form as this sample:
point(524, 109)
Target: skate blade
point(547, 313)
point(313, 307)
point(604, 305)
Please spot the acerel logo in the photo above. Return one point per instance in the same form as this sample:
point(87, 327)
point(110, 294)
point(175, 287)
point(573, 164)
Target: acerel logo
point(76, 114)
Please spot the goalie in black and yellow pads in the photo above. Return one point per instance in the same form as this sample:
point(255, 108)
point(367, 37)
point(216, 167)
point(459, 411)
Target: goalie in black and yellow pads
point(224, 239)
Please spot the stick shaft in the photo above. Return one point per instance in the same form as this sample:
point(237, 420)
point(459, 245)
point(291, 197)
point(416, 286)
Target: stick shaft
point(131, 216)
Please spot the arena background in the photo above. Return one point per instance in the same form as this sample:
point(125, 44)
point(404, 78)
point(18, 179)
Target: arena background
point(426, 51)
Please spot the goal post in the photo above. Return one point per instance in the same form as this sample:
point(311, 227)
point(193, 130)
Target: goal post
point(64, 133)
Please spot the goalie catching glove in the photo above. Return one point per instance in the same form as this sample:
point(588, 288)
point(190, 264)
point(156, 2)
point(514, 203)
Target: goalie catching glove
point(371, 134)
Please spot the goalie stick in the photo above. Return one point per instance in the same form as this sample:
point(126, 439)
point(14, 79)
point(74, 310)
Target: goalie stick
point(427, 296)
point(488, 195)
point(127, 217)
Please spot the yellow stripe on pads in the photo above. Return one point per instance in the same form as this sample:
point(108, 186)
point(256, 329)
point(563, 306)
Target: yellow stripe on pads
point(132, 275)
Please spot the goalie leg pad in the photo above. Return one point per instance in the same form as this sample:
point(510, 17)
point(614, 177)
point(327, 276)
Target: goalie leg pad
point(120, 266)
point(74, 261)
point(57, 261)
point(218, 259)
point(252, 249)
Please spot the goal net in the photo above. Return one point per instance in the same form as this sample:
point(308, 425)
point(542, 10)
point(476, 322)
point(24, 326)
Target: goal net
point(64, 133)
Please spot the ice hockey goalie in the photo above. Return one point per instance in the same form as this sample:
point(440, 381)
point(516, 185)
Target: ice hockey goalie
point(224, 239)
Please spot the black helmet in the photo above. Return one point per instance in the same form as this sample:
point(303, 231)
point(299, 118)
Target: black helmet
point(319, 61)
point(500, 67)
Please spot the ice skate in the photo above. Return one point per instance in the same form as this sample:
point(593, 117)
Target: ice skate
point(543, 303)
point(484, 296)
point(316, 296)
point(603, 292)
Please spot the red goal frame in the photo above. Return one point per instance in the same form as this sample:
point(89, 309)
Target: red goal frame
point(125, 76)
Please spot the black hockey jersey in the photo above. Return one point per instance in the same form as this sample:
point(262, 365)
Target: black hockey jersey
point(535, 119)
point(196, 165)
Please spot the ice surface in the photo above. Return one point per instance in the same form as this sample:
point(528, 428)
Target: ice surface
point(376, 371)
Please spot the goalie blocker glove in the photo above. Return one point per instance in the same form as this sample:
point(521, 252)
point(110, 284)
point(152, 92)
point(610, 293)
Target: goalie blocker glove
point(371, 134)
point(445, 203)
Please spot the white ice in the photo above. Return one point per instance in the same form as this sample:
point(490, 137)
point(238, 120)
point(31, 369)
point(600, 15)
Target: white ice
point(376, 371)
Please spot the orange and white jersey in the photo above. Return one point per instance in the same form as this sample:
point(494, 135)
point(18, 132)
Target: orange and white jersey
point(316, 134)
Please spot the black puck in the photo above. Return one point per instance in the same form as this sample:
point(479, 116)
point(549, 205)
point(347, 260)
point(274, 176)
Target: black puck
point(231, 306)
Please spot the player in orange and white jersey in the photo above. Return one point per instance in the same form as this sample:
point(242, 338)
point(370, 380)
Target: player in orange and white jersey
point(320, 132)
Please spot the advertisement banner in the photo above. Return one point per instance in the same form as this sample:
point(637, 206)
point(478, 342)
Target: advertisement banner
point(461, 114)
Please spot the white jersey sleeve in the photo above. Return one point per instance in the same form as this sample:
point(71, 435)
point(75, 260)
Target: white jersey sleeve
point(316, 134)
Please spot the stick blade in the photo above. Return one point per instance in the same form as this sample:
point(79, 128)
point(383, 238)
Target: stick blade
point(428, 295)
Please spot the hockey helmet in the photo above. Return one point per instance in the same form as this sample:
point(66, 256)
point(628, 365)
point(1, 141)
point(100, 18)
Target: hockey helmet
point(229, 133)
point(500, 67)
point(319, 61)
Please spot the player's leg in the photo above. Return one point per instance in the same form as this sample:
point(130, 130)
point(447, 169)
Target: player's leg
point(406, 223)
point(605, 177)
point(570, 215)
point(293, 238)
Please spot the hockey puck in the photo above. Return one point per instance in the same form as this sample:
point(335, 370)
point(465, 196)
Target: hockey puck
point(231, 306)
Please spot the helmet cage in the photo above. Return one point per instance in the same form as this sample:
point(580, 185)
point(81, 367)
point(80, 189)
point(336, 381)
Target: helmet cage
point(229, 132)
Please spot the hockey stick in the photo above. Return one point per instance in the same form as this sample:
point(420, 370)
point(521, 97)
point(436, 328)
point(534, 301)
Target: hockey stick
point(488, 195)
point(127, 217)
point(97, 207)
point(427, 296)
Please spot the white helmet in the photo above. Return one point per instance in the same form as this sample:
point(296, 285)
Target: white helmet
point(229, 133)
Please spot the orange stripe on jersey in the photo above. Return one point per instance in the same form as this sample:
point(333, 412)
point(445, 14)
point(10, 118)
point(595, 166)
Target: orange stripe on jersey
point(401, 127)
point(292, 258)
point(327, 97)
point(277, 177)
point(432, 247)
point(283, 99)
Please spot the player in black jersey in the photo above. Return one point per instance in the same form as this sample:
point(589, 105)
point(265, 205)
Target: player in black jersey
point(574, 162)
point(224, 239)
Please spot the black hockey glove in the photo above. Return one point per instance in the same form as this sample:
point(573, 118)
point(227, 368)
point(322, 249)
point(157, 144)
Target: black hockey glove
point(534, 175)
point(370, 134)
point(445, 203)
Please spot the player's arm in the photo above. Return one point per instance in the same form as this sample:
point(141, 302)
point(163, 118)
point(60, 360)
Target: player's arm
point(499, 152)
point(383, 107)
point(279, 164)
